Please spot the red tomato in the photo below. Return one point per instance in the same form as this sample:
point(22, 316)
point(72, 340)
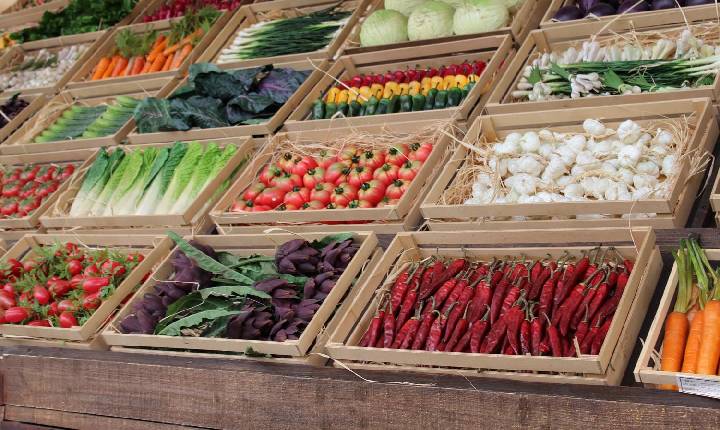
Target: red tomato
point(359, 175)
point(113, 268)
point(335, 171)
point(41, 294)
point(349, 154)
point(74, 267)
point(397, 155)
point(343, 194)
point(409, 170)
point(66, 305)
point(420, 152)
point(67, 320)
point(92, 285)
point(252, 191)
point(16, 314)
point(59, 287)
point(296, 198)
point(91, 270)
point(372, 159)
point(372, 192)
point(362, 204)
point(326, 158)
point(386, 173)
point(7, 300)
point(268, 173)
point(270, 197)
point(313, 205)
point(284, 183)
point(39, 323)
point(322, 192)
point(313, 177)
point(397, 189)
point(287, 162)
point(306, 163)
point(91, 301)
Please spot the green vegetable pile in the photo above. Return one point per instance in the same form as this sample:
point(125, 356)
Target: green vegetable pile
point(80, 16)
point(149, 181)
point(83, 122)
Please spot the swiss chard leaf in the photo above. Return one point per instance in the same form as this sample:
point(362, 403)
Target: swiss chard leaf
point(232, 290)
point(327, 240)
point(195, 320)
point(218, 328)
point(206, 262)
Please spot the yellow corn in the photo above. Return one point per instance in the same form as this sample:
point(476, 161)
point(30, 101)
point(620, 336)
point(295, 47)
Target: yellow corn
point(449, 81)
point(376, 90)
point(391, 89)
point(437, 83)
point(342, 97)
point(414, 88)
point(331, 95)
point(460, 80)
point(364, 94)
point(404, 88)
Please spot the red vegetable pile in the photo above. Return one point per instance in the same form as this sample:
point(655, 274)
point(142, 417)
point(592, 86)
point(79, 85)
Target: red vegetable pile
point(25, 188)
point(60, 285)
point(352, 178)
point(177, 8)
point(507, 307)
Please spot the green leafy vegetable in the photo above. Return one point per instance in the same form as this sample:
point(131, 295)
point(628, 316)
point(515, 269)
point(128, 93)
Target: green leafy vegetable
point(207, 263)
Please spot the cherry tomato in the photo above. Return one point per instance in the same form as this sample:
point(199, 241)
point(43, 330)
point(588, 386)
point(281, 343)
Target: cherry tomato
point(7, 300)
point(92, 285)
point(67, 320)
point(41, 294)
point(16, 314)
point(74, 267)
point(59, 287)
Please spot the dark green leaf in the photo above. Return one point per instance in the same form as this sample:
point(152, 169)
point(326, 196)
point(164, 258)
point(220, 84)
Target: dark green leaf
point(252, 103)
point(198, 111)
point(208, 263)
point(339, 237)
point(194, 320)
point(153, 115)
point(218, 328)
point(232, 290)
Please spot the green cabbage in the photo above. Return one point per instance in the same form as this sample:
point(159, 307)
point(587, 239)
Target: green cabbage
point(405, 7)
point(454, 3)
point(431, 20)
point(382, 27)
point(479, 16)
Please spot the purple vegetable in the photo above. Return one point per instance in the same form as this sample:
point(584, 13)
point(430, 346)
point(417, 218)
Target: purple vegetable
point(663, 4)
point(698, 2)
point(602, 9)
point(630, 6)
point(568, 13)
point(586, 5)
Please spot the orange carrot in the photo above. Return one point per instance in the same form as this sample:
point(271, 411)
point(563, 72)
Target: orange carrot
point(138, 66)
point(186, 40)
point(102, 65)
point(120, 66)
point(677, 324)
point(111, 67)
point(184, 53)
point(157, 50)
point(128, 67)
point(692, 347)
point(158, 64)
point(168, 63)
point(709, 353)
point(146, 67)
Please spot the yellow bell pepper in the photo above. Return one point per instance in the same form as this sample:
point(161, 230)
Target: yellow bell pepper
point(414, 88)
point(353, 94)
point(449, 81)
point(426, 84)
point(376, 90)
point(473, 77)
point(437, 83)
point(460, 81)
point(404, 88)
point(391, 89)
point(365, 94)
point(342, 97)
point(331, 95)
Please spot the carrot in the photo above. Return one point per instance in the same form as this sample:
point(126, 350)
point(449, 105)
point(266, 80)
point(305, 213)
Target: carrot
point(111, 67)
point(128, 67)
point(120, 66)
point(146, 67)
point(186, 40)
point(184, 53)
point(157, 50)
point(102, 65)
point(692, 346)
point(158, 64)
point(709, 353)
point(676, 324)
point(138, 66)
point(168, 62)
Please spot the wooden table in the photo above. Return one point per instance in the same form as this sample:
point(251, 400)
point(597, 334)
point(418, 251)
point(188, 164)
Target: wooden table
point(112, 390)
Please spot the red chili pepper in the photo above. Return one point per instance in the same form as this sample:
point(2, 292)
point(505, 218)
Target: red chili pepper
point(519, 271)
point(611, 304)
point(441, 295)
point(536, 328)
point(479, 301)
point(436, 331)
point(600, 337)
point(480, 272)
point(568, 348)
point(431, 273)
point(374, 329)
point(536, 270)
point(457, 331)
point(460, 310)
point(545, 346)
point(586, 343)
point(477, 332)
point(562, 287)
point(453, 269)
point(525, 337)
point(507, 350)
point(497, 299)
point(453, 296)
point(585, 304)
point(555, 344)
point(389, 327)
point(598, 298)
point(580, 268)
point(546, 295)
point(538, 282)
point(400, 288)
point(423, 330)
point(408, 303)
point(582, 330)
point(498, 274)
point(496, 334)
point(514, 318)
point(510, 299)
point(411, 331)
point(564, 313)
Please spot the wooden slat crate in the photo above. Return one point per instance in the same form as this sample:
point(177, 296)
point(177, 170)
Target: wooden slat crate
point(256, 12)
point(45, 112)
point(526, 19)
point(80, 158)
point(390, 219)
point(240, 130)
point(542, 41)
point(672, 212)
point(494, 50)
point(605, 368)
point(36, 101)
point(247, 245)
point(152, 247)
point(192, 220)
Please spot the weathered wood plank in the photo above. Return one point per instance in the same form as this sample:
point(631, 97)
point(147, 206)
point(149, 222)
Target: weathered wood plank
point(47, 417)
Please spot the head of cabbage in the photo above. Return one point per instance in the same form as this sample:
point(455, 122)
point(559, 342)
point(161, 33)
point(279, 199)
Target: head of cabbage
point(405, 7)
point(431, 20)
point(382, 27)
point(478, 16)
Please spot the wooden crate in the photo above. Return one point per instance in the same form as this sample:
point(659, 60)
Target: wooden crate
point(13, 15)
point(540, 41)
point(316, 356)
point(154, 248)
point(81, 159)
point(246, 245)
point(648, 365)
point(671, 212)
point(45, 112)
point(526, 19)
point(201, 224)
point(12, 235)
point(401, 217)
point(637, 244)
point(625, 22)
point(494, 50)
point(253, 13)
point(266, 128)
point(36, 101)
point(16, 54)
point(81, 77)
point(94, 343)
point(190, 218)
